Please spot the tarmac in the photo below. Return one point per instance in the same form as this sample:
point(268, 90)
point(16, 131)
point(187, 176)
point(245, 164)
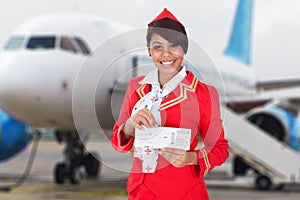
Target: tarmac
point(110, 185)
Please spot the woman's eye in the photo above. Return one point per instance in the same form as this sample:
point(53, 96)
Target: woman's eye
point(173, 45)
point(157, 47)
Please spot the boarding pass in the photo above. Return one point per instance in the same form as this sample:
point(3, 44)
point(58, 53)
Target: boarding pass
point(161, 137)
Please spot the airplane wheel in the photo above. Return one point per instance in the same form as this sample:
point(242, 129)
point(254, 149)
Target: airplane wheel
point(74, 175)
point(60, 173)
point(92, 166)
point(262, 182)
point(58, 136)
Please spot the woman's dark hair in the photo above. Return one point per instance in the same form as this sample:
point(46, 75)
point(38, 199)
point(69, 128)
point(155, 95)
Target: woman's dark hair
point(170, 30)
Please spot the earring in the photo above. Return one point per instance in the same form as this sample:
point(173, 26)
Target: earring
point(150, 55)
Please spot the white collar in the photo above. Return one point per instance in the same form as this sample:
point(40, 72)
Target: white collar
point(152, 78)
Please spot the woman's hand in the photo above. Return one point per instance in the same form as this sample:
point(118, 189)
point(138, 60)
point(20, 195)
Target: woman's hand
point(142, 118)
point(178, 157)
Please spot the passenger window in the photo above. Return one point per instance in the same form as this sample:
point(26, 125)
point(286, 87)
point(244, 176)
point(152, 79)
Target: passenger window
point(84, 48)
point(14, 43)
point(41, 42)
point(66, 44)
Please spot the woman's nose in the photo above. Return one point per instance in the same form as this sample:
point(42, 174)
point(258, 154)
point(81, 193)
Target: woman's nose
point(166, 52)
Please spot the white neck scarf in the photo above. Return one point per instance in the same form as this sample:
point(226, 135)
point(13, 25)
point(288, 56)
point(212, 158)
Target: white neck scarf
point(152, 101)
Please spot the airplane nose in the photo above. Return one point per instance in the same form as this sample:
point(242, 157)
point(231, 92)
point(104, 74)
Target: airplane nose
point(36, 87)
point(15, 81)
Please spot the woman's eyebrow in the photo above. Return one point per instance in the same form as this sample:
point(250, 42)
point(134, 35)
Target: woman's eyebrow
point(156, 42)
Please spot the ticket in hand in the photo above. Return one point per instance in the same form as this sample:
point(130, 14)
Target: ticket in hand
point(161, 137)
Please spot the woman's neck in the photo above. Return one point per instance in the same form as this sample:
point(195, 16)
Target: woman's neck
point(164, 78)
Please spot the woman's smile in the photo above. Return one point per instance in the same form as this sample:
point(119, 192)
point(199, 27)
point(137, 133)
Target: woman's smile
point(168, 63)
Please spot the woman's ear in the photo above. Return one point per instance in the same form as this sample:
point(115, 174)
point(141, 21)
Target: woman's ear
point(149, 52)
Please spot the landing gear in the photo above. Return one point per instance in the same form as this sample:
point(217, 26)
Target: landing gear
point(78, 162)
point(92, 166)
point(60, 173)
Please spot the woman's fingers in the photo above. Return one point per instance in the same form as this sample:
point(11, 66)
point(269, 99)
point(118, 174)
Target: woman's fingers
point(141, 120)
point(153, 120)
point(179, 157)
point(175, 156)
point(144, 117)
point(173, 150)
point(146, 114)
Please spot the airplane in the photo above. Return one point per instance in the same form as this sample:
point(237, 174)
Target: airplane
point(40, 62)
point(62, 71)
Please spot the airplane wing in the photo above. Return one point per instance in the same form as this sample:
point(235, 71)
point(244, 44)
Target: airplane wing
point(277, 84)
point(290, 96)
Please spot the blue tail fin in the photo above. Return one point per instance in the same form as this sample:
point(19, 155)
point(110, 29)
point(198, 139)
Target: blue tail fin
point(239, 46)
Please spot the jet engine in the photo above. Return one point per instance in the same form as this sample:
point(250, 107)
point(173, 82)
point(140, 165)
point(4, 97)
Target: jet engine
point(14, 136)
point(280, 121)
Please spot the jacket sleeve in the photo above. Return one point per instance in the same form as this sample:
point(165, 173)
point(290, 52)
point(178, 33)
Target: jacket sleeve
point(215, 151)
point(118, 133)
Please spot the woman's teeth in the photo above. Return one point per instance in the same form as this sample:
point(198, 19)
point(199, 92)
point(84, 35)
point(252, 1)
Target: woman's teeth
point(167, 62)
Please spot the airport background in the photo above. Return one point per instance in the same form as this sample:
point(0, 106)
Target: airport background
point(274, 57)
point(276, 30)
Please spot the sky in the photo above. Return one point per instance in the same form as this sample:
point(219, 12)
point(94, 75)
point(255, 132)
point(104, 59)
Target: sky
point(275, 41)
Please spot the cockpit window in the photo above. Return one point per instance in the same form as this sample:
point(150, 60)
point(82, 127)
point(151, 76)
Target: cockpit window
point(72, 44)
point(41, 42)
point(14, 43)
point(66, 44)
point(84, 48)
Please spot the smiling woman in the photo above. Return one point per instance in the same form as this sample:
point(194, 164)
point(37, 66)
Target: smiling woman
point(170, 96)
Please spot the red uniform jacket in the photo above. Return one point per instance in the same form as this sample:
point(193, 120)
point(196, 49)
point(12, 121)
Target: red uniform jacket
point(193, 105)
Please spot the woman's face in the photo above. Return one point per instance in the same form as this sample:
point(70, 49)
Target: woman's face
point(166, 56)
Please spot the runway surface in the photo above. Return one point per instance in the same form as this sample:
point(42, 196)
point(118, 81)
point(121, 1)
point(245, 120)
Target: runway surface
point(111, 185)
